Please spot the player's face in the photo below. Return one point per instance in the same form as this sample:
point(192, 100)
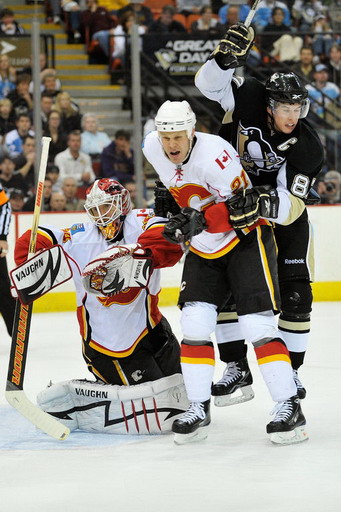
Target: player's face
point(286, 117)
point(176, 145)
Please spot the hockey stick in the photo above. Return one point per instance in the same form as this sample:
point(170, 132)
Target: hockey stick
point(21, 331)
point(251, 14)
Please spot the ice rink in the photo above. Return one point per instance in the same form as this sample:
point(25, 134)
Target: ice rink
point(236, 469)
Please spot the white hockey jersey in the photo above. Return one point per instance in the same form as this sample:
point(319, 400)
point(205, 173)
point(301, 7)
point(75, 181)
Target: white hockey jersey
point(113, 324)
point(210, 175)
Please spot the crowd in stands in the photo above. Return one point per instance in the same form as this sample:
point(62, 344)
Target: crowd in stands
point(299, 33)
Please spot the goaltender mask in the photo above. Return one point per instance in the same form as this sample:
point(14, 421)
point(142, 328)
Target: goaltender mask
point(128, 345)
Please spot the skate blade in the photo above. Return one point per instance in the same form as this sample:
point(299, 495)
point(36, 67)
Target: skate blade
point(193, 437)
point(225, 400)
point(294, 436)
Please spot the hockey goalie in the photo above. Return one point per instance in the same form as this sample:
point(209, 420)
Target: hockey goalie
point(127, 343)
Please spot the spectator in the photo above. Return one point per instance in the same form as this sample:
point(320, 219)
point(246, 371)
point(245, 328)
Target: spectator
point(264, 13)
point(9, 178)
point(304, 12)
point(187, 7)
point(8, 25)
point(73, 203)
point(243, 11)
point(143, 15)
point(54, 130)
point(8, 76)
point(7, 119)
point(120, 35)
point(14, 139)
point(69, 112)
point(43, 66)
point(93, 140)
point(52, 173)
point(117, 159)
point(275, 25)
point(334, 64)
point(73, 162)
point(329, 188)
point(287, 47)
point(17, 200)
point(322, 92)
point(99, 23)
point(305, 66)
point(46, 104)
point(58, 202)
point(24, 162)
point(207, 24)
point(73, 10)
point(166, 23)
point(47, 191)
point(20, 97)
point(50, 85)
point(322, 40)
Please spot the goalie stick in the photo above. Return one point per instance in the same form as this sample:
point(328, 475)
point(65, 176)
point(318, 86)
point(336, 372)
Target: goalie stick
point(14, 393)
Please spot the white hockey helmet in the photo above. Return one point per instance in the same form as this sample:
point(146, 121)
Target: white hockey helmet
point(175, 116)
point(107, 204)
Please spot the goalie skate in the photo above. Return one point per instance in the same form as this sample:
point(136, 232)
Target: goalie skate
point(288, 425)
point(236, 377)
point(192, 426)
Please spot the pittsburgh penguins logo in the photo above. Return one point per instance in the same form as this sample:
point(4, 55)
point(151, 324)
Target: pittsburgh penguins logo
point(256, 154)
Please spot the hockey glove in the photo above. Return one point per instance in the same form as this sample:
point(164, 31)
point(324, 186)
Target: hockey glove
point(249, 205)
point(183, 226)
point(118, 268)
point(234, 48)
point(164, 203)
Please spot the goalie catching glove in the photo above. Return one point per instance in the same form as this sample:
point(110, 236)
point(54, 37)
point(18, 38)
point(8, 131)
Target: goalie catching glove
point(249, 205)
point(118, 268)
point(183, 226)
point(234, 48)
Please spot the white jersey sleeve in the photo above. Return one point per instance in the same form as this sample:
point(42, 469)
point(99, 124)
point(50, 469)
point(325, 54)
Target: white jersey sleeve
point(216, 84)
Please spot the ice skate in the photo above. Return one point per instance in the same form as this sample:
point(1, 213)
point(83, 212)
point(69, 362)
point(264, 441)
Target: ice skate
point(192, 425)
point(237, 376)
point(288, 425)
point(301, 391)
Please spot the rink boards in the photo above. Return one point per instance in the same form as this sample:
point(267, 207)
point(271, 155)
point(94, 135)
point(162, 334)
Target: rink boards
point(325, 221)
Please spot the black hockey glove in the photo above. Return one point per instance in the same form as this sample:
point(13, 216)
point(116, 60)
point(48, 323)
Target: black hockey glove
point(249, 205)
point(183, 226)
point(233, 49)
point(164, 203)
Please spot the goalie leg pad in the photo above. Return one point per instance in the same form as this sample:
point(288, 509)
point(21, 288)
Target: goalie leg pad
point(148, 408)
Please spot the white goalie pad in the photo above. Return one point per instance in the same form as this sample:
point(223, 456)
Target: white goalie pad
point(38, 275)
point(118, 268)
point(148, 408)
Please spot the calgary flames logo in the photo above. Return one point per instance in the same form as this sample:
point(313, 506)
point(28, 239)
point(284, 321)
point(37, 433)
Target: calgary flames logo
point(122, 298)
point(192, 195)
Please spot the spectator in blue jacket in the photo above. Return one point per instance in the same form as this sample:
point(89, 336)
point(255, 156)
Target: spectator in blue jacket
point(117, 160)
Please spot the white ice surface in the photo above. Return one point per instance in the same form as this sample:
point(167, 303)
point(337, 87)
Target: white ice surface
point(236, 469)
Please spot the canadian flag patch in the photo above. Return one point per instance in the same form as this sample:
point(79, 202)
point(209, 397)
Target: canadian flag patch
point(223, 159)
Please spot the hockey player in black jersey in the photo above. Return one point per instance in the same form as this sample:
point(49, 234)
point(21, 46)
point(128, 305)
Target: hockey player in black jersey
point(278, 147)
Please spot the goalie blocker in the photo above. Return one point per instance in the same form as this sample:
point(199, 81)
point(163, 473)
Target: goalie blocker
point(148, 408)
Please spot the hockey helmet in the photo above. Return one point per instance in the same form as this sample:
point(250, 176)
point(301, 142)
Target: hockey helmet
point(287, 88)
point(175, 116)
point(107, 204)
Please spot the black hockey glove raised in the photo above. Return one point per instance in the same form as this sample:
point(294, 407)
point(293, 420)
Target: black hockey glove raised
point(249, 205)
point(233, 49)
point(164, 203)
point(183, 226)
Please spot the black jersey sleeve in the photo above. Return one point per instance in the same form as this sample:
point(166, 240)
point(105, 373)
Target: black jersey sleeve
point(304, 161)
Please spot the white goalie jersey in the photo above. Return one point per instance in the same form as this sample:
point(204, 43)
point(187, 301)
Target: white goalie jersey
point(112, 324)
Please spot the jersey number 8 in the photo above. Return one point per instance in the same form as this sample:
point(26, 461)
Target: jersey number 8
point(300, 185)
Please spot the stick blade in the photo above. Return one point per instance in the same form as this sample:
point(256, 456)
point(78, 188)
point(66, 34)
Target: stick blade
point(39, 418)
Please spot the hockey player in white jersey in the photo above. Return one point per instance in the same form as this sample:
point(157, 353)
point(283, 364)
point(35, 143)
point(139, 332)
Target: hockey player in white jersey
point(128, 345)
point(204, 175)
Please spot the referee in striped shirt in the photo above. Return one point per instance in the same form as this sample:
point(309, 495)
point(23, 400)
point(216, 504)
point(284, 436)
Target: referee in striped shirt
point(7, 303)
